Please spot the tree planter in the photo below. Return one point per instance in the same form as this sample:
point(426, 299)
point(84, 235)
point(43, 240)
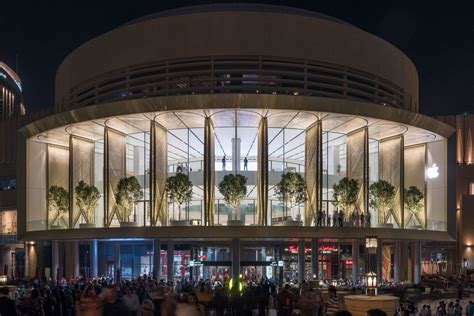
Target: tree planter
point(235, 222)
point(85, 225)
point(180, 223)
point(289, 222)
point(58, 227)
point(128, 224)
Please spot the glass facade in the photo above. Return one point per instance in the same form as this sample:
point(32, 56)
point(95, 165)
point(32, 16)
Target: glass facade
point(121, 147)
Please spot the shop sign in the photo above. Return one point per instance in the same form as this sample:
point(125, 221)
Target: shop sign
point(277, 263)
point(326, 250)
point(193, 263)
point(294, 249)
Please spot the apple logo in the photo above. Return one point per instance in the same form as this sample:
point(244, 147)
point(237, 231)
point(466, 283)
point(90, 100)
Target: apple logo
point(432, 172)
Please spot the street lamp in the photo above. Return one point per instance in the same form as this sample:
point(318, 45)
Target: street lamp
point(371, 245)
point(371, 283)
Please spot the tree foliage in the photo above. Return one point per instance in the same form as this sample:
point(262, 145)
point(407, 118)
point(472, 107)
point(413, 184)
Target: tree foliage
point(58, 203)
point(234, 189)
point(345, 193)
point(291, 189)
point(413, 199)
point(381, 195)
point(127, 194)
point(87, 198)
point(179, 188)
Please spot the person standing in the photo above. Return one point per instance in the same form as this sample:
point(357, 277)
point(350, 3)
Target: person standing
point(341, 218)
point(320, 218)
point(7, 305)
point(367, 218)
point(246, 161)
point(223, 163)
point(362, 219)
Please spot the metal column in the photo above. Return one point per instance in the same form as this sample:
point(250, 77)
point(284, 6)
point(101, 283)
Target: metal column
point(170, 260)
point(209, 172)
point(355, 261)
point(94, 253)
point(315, 258)
point(157, 259)
point(301, 261)
point(396, 263)
point(235, 259)
point(416, 262)
point(262, 172)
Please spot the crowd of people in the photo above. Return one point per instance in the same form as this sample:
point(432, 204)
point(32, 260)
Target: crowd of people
point(354, 219)
point(145, 296)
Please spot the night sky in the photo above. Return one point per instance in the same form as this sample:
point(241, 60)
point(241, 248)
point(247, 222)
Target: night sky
point(438, 36)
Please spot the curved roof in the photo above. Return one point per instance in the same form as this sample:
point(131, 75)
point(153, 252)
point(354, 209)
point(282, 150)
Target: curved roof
point(11, 73)
point(248, 7)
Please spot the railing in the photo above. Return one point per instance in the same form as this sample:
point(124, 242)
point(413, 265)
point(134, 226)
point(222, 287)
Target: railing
point(238, 74)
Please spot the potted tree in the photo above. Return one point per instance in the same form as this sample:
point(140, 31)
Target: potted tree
point(291, 192)
point(180, 190)
point(58, 207)
point(345, 194)
point(381, 195)
point(413, 200)
point(128, 193)
point(233, 188)
point(87, 198)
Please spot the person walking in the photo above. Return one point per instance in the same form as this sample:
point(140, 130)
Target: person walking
point(246, 161)
point(131, 302)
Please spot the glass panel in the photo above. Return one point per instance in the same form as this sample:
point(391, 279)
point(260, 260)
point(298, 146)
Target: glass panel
point(99, 180)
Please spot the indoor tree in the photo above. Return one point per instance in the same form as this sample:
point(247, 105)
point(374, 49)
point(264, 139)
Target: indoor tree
point(129, 191)
point(234, 189)
point(291, 189)
point(381, 195)
point(180, 189)
point(345, 193)
point(87, 198)
point(413, 200)
point(58, 205)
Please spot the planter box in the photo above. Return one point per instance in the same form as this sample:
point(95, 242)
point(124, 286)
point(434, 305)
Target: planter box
point(128, 224)
point(180, 223)
point(289, 222)
point(85, 225)
point(235, 222)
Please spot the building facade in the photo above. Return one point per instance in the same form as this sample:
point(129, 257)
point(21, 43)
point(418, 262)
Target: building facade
point(11, 97)
point(11, 118)
point(464, 125)
point(212, 91)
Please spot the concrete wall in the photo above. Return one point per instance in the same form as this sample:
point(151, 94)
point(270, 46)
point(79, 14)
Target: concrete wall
point(237, 32)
